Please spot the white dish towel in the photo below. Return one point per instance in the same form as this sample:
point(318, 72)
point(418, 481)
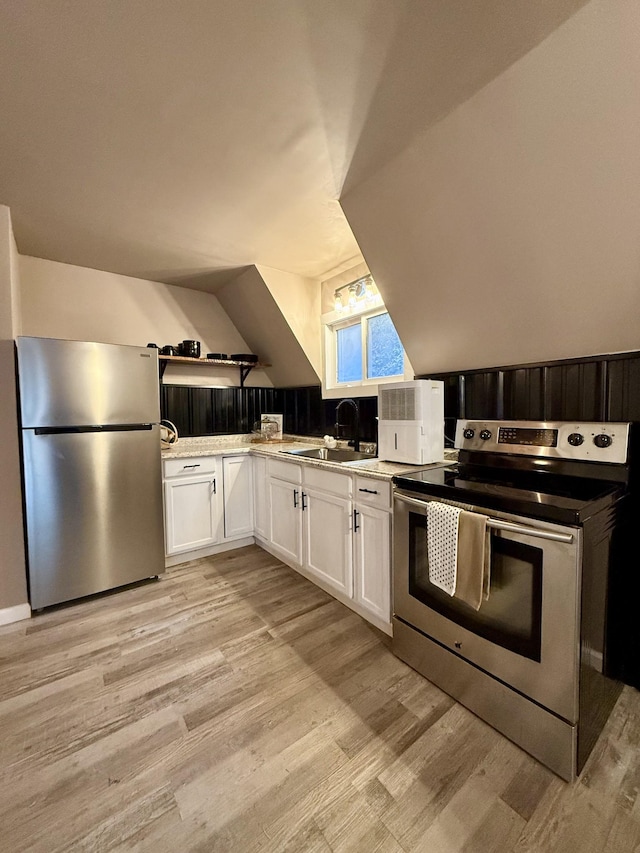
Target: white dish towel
point(442, 545)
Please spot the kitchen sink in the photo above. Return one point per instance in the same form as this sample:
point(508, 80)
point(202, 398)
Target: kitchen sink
point(329, 454)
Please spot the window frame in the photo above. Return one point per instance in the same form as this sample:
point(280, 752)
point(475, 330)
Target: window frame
point(331, 323)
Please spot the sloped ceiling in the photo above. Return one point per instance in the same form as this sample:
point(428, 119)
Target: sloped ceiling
point(508, 232)
point(185, 141)
point(252, 307)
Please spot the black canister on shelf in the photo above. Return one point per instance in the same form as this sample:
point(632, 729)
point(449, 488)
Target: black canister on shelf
point(191, 349)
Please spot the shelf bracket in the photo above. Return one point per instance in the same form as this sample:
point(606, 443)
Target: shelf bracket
point(244, 372)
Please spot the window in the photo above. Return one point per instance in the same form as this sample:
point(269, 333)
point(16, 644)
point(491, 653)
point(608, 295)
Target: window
point(362, 350)
point(385, 356)
point(349, 353)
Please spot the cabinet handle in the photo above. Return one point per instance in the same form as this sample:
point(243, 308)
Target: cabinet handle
point(369, 491)
point(356, 526)
point(191, 466)
point(395, 436)
point(295, 498)
point(214, 486)
point(304, 506)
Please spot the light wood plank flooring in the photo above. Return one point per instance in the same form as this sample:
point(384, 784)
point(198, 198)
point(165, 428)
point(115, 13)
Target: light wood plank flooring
point(234, 706)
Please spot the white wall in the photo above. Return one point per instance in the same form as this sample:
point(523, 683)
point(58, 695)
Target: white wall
point(299, 300)
point(13, 583)
point(509, 232)
point(64, 301)
point(16, 300)
point(252, 306)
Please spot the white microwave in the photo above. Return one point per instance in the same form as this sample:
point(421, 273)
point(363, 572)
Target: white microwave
point(411, 422)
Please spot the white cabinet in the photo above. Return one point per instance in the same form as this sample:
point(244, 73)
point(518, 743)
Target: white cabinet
point(310, 514)
point(237, 474)
point(335, 528)
point(332, 526)
point(372, 547)
point(326, 513)
point(372, 559)
point(372, 492)
point(260, 498)
point(327, 539)
point(285, 509)
point(285, 514)
point(193, 510)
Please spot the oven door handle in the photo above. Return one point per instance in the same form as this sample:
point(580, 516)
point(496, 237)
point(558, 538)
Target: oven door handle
point(497, 524)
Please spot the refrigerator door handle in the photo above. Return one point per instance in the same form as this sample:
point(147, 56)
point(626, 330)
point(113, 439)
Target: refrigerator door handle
point(91, 428)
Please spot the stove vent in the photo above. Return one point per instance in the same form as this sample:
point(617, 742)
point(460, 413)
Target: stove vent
point(398, 404)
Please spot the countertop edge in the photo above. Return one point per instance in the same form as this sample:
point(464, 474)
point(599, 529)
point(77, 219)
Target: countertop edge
point(373, 468)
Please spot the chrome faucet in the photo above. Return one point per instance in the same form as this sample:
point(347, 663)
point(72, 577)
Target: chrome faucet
point(356, 422)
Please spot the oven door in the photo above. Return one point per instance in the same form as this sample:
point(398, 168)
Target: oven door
point(527, 632)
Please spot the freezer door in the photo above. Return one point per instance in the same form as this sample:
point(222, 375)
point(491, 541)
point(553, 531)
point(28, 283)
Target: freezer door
point(94, 511)
point(70, 383)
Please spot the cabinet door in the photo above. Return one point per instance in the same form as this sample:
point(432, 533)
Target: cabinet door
point(372, 550)
point(238, 496)
point(192, 511)
point(328, 540)
point(285, 519)
point(260, 497)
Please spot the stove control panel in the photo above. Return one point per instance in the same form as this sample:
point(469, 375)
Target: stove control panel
point(588, 442)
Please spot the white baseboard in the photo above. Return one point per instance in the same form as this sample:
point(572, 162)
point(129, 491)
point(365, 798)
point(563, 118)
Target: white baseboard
point(15, 614)
point(188, 556)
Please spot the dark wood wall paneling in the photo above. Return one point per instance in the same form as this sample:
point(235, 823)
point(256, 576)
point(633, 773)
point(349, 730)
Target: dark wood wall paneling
point(220, 411)
point(600, 388)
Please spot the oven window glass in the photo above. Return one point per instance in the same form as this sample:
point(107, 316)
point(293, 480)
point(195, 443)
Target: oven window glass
point(512, 615)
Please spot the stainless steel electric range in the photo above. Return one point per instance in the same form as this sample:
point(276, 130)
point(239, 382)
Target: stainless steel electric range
point(534, 660)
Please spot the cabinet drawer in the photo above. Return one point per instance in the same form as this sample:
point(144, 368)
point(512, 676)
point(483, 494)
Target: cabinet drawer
point(373, 492)
point(190, 465)
point(328, 481)
point(289, 471)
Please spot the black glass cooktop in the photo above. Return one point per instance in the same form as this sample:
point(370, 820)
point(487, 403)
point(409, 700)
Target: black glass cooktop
point(569, 500)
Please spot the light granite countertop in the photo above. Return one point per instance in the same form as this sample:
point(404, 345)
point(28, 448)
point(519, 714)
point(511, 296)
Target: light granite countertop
point(232, 445)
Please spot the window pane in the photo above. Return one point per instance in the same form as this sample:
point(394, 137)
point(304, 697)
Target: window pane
point(384, 350)
point(349, 354)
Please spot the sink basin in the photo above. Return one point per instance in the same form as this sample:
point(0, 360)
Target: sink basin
point(336, 454)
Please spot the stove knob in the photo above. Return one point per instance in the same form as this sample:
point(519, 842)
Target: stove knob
point(469, 433)
point(602, 440)
point(485, 434)
point(575, 439)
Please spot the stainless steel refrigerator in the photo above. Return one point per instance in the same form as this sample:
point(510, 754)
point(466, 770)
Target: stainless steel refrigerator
point(92, 471)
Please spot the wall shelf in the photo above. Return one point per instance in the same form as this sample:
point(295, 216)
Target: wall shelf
point(245, 367)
